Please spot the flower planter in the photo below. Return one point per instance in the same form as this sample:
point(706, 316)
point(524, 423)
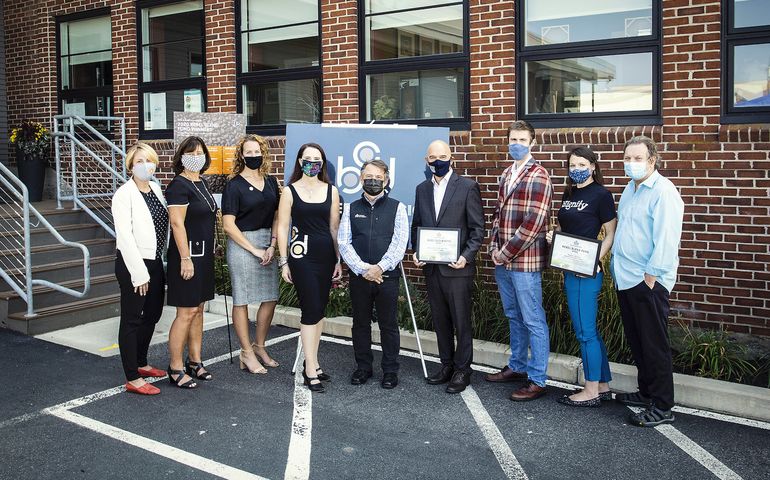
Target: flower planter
point(32, 174)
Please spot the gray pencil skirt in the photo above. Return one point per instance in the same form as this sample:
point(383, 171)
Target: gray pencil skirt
point(252, 282)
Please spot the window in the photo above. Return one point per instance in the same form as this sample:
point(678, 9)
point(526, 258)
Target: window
point(279, 69)
point(746, 68)
point(85, 65)
point(414, 62)
point(173, 68)
point(595, 63)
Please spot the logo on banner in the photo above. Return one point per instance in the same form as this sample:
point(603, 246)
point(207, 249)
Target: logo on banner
point(348, 177)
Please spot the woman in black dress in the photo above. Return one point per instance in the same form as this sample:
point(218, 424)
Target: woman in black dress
point(192, 214)
point(311, 205)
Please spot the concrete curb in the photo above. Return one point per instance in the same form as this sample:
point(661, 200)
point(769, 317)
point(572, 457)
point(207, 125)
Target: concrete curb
point(694, 392)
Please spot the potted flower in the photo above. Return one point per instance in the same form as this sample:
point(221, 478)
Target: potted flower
point(32, 142)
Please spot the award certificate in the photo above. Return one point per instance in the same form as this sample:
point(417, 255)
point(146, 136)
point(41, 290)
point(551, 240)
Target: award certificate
point(575, 254)
point(438, 245)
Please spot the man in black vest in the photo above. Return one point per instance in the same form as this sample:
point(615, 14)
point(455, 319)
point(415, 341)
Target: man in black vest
point(372, 240)
point(448, 200)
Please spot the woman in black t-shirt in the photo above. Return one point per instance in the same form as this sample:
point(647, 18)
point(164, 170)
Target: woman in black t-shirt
point(586, 208)
point(249, 205)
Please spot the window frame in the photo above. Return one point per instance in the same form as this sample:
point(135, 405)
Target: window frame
point(584, 49)
point(274, 75)
point(164, 85)
point(732, 37)
point(432, 62)
point(103, 91)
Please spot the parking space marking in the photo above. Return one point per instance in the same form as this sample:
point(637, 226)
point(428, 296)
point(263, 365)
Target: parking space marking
point(298, 461)
point(505, 457)
point(698, 453)
point(180, 456)
point(722, 417)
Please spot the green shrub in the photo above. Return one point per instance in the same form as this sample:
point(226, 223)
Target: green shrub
point(713, 354)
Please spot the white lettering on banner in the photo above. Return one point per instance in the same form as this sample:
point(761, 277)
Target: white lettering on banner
point(580, 205)
point(347, 177)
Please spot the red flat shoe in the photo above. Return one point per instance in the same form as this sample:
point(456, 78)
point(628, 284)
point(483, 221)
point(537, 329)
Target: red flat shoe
point(152, 372)
point(146, 389)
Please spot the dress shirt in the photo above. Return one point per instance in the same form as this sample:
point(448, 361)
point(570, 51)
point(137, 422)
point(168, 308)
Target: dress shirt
point(396, 249)
point(439, 189)
point(648, 233)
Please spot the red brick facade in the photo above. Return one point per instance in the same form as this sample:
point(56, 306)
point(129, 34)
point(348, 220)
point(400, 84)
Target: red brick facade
point(721, 170)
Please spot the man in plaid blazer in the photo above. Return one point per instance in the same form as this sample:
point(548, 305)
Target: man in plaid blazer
point(518, 250)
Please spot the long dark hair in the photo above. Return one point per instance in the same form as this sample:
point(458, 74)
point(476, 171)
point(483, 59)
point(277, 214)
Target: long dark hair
point(297, 173)
point(590, 155)
point(190, 144)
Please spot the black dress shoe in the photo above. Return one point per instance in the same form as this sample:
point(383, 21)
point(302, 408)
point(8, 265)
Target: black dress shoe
point(389, 380)
point(460, 380)
point(359, 377)
point(442, 376)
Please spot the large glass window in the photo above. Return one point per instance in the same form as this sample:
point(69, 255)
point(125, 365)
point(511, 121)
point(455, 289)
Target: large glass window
point(746, 68)
point(279, 70)
point(589, 64)
point(85, 66)
point(172, 57)
point(414, 62)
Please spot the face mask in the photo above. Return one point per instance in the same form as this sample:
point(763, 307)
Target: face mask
point(193, 163)
point(580, 176)
point(311, 169)
point(373, 187)
point(253, 162)
point(518, 151)
point(143, 171)
point(635, 170)
point(439, 167)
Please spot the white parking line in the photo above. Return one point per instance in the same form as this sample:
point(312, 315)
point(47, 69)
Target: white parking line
point(185, 458)
point(298, 461)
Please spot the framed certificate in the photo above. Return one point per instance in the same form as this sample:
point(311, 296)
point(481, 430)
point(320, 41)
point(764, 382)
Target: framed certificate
point(438, 245)
point(575, 254)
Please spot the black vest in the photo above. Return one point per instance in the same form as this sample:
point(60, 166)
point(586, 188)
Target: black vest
point(372, 227)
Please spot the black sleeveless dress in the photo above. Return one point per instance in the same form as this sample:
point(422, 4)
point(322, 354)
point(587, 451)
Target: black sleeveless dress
point(311, 255)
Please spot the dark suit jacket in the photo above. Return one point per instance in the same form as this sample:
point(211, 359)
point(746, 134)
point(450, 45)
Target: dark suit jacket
point(461, 208)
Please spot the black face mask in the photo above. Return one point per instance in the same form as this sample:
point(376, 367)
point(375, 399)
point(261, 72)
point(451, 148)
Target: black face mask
point(253, 162)
point(373, 187)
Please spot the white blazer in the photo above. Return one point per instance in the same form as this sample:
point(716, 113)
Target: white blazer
point(135, 229)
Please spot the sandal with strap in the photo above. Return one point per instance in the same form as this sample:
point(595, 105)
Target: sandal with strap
point(266, 360)
point(180, 374)
point(651, 417)
point(635, 399)
point(196, 370)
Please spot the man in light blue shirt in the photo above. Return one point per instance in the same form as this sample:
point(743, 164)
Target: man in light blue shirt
point(372, 240)
point(645, 256)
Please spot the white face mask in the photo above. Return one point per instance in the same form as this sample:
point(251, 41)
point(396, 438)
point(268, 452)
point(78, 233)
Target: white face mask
point(635, 170)
point(193, 163)
point(143, 171)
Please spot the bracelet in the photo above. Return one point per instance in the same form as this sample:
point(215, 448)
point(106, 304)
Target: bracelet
point(186, 258)
point(282, 261)
point(273, 238)
point(270, 246)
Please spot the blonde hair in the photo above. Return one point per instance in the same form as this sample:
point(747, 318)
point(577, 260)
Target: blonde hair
point(238, 162)
point(150, 152)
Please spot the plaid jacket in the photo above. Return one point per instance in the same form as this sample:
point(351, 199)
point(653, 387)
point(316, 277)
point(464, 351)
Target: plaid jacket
point(521, 218)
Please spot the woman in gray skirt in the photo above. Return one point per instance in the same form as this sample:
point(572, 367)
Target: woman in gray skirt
point(249, 204)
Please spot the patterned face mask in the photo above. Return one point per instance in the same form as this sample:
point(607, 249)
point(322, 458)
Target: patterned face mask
point(311, 169)
point(193, 163)
point(580, 175)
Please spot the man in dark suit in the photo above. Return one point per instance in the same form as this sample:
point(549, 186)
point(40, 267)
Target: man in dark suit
point(450, 201)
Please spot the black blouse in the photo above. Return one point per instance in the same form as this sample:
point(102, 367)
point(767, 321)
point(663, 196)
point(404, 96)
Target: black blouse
point(253, 208)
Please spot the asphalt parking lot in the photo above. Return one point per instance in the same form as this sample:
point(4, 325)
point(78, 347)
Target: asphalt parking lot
point(64, 415)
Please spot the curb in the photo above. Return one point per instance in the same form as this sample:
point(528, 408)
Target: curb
point(690, 391)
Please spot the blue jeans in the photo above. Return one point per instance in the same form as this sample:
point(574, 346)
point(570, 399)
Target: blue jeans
point(522, 296)
point(583, 300)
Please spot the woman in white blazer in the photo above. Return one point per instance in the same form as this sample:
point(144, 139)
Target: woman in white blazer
point(141, 229)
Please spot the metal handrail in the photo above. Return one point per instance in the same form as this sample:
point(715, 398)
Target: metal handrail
point(14, 185)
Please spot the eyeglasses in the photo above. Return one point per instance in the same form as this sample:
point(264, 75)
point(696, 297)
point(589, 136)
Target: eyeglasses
point(432, 158)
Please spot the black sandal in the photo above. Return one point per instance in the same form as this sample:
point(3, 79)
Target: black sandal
point(313, 387)
point(193, 369)
point(635, 399)
point(651, 417)
point(180, 375)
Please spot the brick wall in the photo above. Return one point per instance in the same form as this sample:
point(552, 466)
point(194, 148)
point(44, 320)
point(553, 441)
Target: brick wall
point(722, 171)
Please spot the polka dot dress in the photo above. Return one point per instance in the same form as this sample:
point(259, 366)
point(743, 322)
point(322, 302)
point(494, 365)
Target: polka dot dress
point(160, 219)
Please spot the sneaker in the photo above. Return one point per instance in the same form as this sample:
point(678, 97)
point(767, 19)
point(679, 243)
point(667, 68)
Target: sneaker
point(651, 417)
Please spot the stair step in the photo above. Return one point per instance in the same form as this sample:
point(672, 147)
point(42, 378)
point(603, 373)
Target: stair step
point(57, 252)
point(45, 297)
point(41, 236)
point(65, 315)
point(65, 216)
point(68, 270)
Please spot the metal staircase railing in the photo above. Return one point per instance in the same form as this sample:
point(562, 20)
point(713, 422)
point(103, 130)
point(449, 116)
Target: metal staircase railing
point(89, 164)
point(15, 241)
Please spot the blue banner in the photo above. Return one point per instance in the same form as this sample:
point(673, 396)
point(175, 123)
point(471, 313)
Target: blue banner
point(347, 147)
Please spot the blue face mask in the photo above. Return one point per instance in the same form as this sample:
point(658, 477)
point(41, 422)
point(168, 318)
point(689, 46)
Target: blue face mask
point(580, 176)
point(635, 170)
point(518, 151)
point(439, 167)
